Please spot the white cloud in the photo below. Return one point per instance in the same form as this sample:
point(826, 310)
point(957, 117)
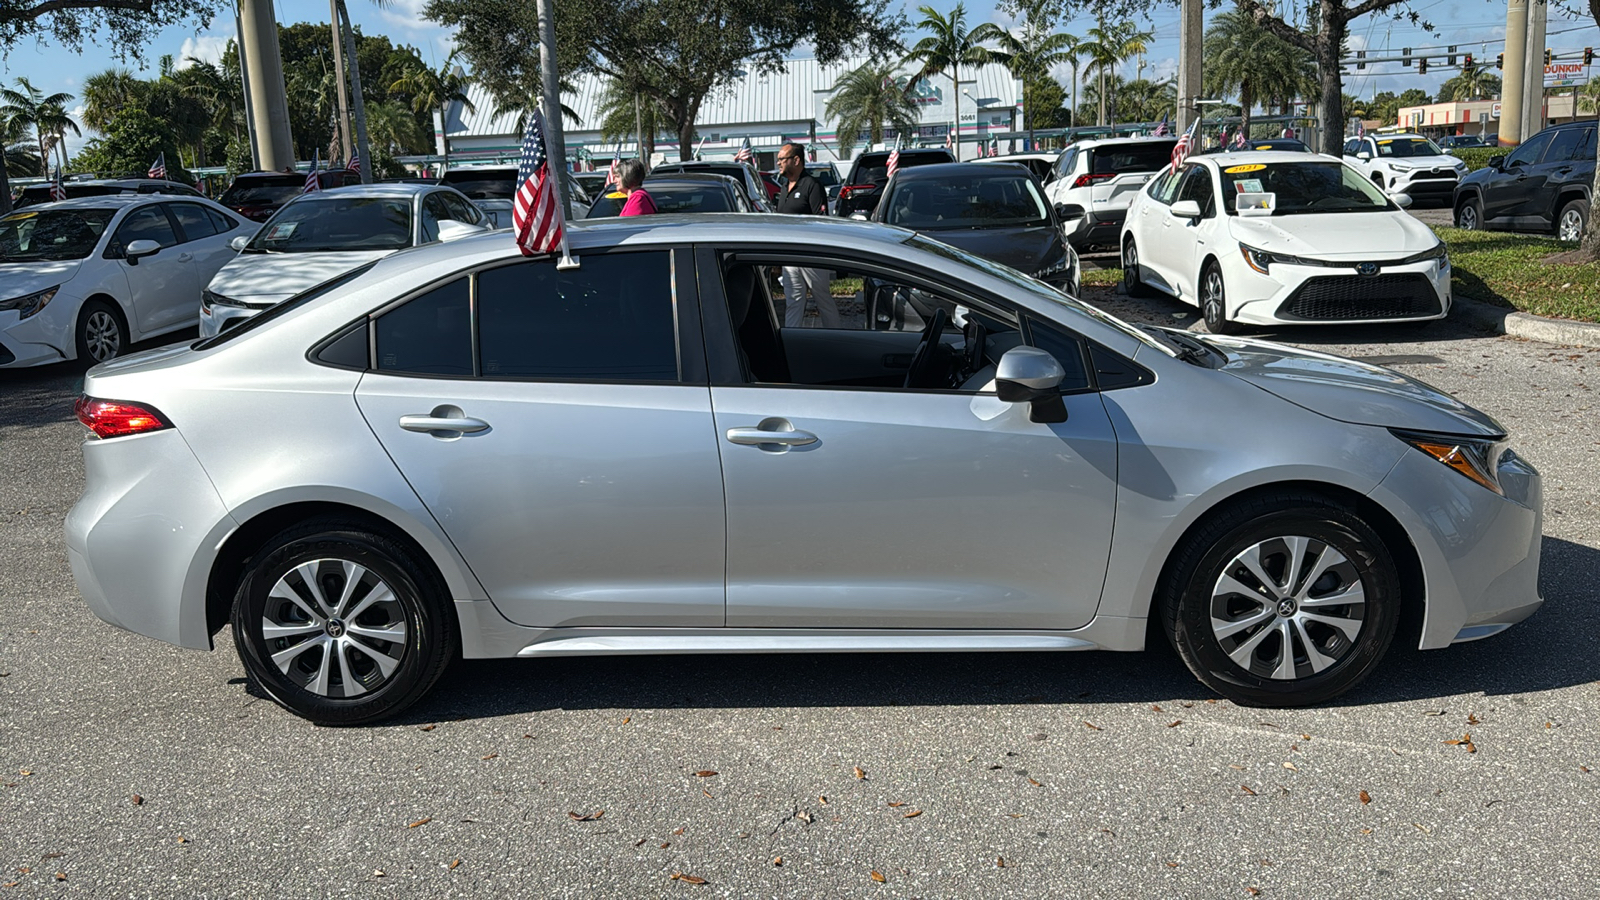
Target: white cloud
point(204, 47)
point(407, 15)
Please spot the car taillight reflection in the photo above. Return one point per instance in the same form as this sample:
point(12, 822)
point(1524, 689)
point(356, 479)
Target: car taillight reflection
point(117, 418)
point(1086, 180)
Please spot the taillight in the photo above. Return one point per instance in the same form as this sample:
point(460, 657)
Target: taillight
point(849, 189)
point(1086, 180)
point(117, 418)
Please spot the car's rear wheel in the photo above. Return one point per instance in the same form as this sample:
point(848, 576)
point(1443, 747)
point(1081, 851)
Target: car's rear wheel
point(1287, 599)
point(1572, 220)
point(339, 625)
point(101, 334)
point(1132, 284)
point(1214, 301)
point(1469, 214)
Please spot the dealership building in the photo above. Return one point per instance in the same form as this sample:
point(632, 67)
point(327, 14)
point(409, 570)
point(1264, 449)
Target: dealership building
point(766, 108)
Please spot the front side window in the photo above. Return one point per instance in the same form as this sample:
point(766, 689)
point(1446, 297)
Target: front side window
point(1164, 187)
point(612, 319)
point(147, 223)
point(1530, 151)
point(1196, 186)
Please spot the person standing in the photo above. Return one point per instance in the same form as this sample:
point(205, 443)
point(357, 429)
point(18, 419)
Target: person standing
point(804, 196)
point(639, 201)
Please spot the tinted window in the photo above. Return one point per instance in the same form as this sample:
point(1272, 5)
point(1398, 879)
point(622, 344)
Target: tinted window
point(1531, 150)
point(1119, 158)
point(322, 222)
point(432, 211)
point(483, 184)
point(1066, 348)
point(1587, 150)
point(1164, 187)
point(148, 223)
point(1350, 147)
point(257, 193)
point(1565, 144)
point(459, 210)
point(611, 320)
point(194, 221)
point(674, 198)
point(221, 221)
point(430, 335)
point(967, 201)
point(1196, 186)
point(1065, 161)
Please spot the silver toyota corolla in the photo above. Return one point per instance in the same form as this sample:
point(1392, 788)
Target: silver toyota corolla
point(458, 449)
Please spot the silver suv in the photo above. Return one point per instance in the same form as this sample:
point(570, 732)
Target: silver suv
point(1093, 182)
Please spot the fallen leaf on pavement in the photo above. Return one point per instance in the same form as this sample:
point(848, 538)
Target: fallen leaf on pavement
point(455, 862)
point(61, 876)
point(1253, 891)
point(420, 822)
point(999, 862)
point(1472, 718)
point(878, 876)
point(1420, 828)
point(822, 799)
point(1154, 708)
point(912, 815)
point(1092, 726)
point(1034, 783)
point(679, 832)
point(861, 774)
point(777, 860)
point(897, 803)
point(1291, 767)
point(427, 728)
point(136, 800)
point(1174, 723)
point(1366, 831)
point(1246, 789)
point(586, 818)
point(705, 773)
point(1365, 798)
point(627, 719)
point(707, 793)
point(489, 757)
point(687, 879)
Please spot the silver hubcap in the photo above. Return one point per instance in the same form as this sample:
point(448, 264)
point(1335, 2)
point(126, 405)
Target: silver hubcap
point(102, 335)
point(334, 628)
point(1571, 226)
point(1469, 218)
point(1211, 295)
point(1288, 607)
point(1130, 265)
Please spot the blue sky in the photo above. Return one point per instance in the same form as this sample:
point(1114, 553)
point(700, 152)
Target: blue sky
point(1474, 26)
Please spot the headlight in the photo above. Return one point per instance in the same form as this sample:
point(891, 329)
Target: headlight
point(1475, 457)
point(1062, 265)
point(1262, 260)
point(1401, 167)
point(30, 303)
point(209, 299)
point(1437, 251)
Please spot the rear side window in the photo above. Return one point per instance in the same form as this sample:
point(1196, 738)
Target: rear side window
point(429, 335)
point(611, 320)
point(1119, 158)
point(221, 221)
point(194, 220)
point(1566, 143)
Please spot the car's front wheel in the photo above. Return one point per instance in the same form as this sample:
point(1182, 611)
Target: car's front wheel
point(1469, 214)
point(1572, 220)
point(1214, 301)
point(1287, 599)
point(101, 334)
point(340, 625)
point(1132, 284)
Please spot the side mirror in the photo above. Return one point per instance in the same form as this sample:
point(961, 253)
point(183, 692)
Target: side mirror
point(1498, 163)
point(450, 229)
point(238, 243)
point(1363, 155)
point(1186, 209)
point(1030, 375)
point(137, 250)
point(1403, 201)
point(1069, 211)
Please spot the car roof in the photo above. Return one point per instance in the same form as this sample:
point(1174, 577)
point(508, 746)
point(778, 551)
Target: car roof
point(1018, 157)
point(109, 200)
point(1091, 143)
point(946, 170)
point(911, 151)
point(1259, 157)
point(384, 189)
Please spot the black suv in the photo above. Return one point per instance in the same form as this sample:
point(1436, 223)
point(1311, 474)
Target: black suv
point(257, 195)
point(40, 193)
point(1544, 185)
point(869, 172)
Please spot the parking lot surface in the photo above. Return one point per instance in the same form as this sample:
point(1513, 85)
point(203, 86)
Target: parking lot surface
point(130, 768)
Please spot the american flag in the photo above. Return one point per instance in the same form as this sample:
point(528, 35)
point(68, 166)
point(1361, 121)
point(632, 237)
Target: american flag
point(1181, 150)
point(894, 159)
point(313, 183)
point(1162, 130)
point(950, 138)
point(58, 191)
point(1238, 138)
point(611, 173)
point(1361, 129)
point(745, 154)
point(354, 165)
point(158, 169)
point(535, 219)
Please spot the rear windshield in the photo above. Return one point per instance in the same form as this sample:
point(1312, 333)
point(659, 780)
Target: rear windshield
point(1001, 200)
point(40, 193)
point(323, 222)
point(825, 175)
point(874, 168)
point(259, 194)
point(51, 234)
point(482, 185)
point(1117, 159)
point(669, 199)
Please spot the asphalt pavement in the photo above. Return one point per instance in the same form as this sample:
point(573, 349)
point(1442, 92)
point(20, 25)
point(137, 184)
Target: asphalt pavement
point(132, 769)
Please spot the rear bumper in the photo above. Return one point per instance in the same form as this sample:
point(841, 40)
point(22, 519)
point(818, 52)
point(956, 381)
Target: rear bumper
point(1096, 229)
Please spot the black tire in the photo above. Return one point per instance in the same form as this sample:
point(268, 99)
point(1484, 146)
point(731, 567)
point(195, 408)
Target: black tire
point(1196, 604)
point(1132, 284)
point(1214, 301)
point(1469, 214)
point(349, 687)
point(101, 333)
point(1572, 220)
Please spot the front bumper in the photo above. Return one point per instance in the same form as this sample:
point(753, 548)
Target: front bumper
point(1420, 184)
point(1336, 295)
point(45, 337)
point(217, 318)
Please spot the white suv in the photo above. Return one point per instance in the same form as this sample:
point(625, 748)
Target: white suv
point(1406, 164)
point(1093, 182)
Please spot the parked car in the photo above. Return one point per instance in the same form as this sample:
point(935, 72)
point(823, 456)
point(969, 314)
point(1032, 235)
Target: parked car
point(1094, 181)
point(319, 236)
point(1271, 238)
point(828, 177)
point(995, 212)
point(593, 183)
point(491, 189)
point(1040, 164)
point(1544, 185)
point(82, 279)
point(699, 193)
point(257, 195)
point(1289, 145)
point(1407, 164)
point(459, 471)
point(100, 187)
point(744, 175)
point(1459, 141)
point(869, 171)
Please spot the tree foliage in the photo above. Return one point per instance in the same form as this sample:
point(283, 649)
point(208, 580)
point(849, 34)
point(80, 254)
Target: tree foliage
point(126, 24)
point(950, 45)
point(1106, 49)
point(1476, 83)
point(870, 99)
point(130, 143)
point(1242, 58)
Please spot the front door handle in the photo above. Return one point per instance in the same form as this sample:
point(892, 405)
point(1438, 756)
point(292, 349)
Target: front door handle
point(185, 257)
point(771, 434)
point(444, 422)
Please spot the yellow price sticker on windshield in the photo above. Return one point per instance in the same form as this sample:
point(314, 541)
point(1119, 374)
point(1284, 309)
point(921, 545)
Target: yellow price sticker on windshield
point(1264, 147)
point(1390, 141)
point(1251, 167)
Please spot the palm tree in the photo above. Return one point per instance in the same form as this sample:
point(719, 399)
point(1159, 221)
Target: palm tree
point(46, 115)
point(393, 130)
point(1106, 49)
point(625, 113)
point(1031, 55)
point(866, 99)
point(1589, 96)
point(1146, 101)
point(1242, 57)
point(1471, 84)
point(107, 93)
point(950, 46)
point(434, 91)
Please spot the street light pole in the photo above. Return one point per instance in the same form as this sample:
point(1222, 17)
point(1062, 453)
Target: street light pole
point(264, 71)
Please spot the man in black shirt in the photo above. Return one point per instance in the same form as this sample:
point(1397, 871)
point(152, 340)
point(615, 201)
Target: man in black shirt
point(803, 195)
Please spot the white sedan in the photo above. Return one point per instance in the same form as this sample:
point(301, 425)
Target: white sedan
point(84, 278)
point(1268, 238)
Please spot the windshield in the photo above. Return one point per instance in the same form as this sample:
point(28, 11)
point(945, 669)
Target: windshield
point(1403, 147)
point(825, 175)
point(1033, 287)
point(1303, 187)
point(260, 194)
point(54, 234)
point(1116, 159)
point(483, 185)
point(669, 199)
point(322, 222)
point(1002, 200)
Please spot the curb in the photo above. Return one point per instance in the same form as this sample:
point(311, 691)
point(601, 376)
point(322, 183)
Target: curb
point(1500, 320)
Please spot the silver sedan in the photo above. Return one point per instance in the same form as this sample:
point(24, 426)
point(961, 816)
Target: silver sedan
point(457, 449)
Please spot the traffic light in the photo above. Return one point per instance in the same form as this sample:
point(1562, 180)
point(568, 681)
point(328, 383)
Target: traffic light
point(1547, 56)
point(1499, 60)
point(1588, 56)
point(1452, 60)
point(1361, 59)
point(1405, 57)
point(1467, 63)
point(1422, 66)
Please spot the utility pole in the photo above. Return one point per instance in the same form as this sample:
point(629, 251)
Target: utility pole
point(264, 73)
point(555, 138)
point(249, 110)
point(343, 128)
point(1533, 82)
point(1513, 88)
point(355, 87)
point(1191, 43)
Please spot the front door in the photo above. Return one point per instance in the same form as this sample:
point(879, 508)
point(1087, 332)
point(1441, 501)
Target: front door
point(164, 288)
point(571, 458)
point(1505, 194)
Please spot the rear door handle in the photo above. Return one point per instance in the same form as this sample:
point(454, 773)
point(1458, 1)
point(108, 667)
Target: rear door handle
point(185, 257)
point(444, 422)
point(771, 433)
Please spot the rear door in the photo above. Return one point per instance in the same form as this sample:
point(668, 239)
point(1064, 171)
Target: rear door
point(1181, 243)
point(1555, 170)
point(1119, 171)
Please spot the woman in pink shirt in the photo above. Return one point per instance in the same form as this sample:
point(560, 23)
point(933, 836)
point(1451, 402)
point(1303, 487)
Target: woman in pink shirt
point(639, 201)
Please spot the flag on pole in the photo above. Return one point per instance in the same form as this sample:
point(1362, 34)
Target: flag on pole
point(1162, 129)
point(158, 169)
point(745, 154)
point(313, 183)
point(1185, 145)
point(354, 165)
point(1361, 129)
point(58, 191)
point(1238, 139)
point(535, 219)
point(894, 159)
point(950, 138)
point(611, 173)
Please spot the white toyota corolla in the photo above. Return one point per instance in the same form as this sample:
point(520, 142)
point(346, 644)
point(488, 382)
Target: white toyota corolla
point(1282, 238)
